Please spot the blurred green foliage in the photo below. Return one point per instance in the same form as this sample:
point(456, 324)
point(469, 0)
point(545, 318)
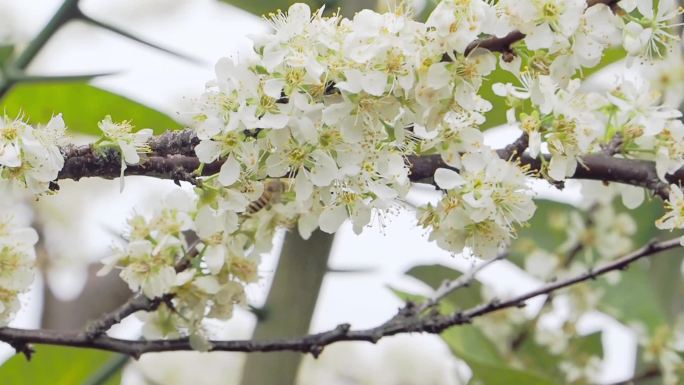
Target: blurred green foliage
point(534, 363)
point(6, 52)
point(56, 366)
point(82, 107)
point(263, 8)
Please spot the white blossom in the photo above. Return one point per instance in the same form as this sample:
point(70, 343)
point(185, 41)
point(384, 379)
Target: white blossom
point(129, 143)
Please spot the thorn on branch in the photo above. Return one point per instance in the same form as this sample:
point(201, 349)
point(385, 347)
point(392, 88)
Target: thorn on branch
point(22, 347)
point(343, 329)
point(408, 310)
point(315, 350)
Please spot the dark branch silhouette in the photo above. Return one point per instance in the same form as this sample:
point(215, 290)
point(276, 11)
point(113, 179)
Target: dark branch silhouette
point(408, 319)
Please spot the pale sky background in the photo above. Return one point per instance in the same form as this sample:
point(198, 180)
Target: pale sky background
point(208, 30)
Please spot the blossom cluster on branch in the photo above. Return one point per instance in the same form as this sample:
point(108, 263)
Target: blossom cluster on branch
point(321, 124)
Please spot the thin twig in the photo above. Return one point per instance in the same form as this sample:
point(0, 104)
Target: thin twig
point(66, 12)
point(646, 375)
point(314, 343)
point(136, 303)
point(448, 287)
point(614, 146)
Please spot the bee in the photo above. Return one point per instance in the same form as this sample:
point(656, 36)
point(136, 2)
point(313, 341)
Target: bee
point(273, 190)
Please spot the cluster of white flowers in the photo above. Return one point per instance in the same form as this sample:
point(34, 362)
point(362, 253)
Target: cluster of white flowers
point(196, 256)
point(29, 156)
point(17, 257)
point(337, 105)
point(481, 206)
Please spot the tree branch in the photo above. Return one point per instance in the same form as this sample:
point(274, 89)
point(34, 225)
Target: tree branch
point(448, 287)
point(646, 375)
point(407, 320)
point(172, 157)
point(137, 303)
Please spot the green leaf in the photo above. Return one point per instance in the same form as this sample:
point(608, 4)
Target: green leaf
point(497, 115)
point(496, 375)
point(537, 358)
point(263, 8)
point(434, 275)
point(488, 367)
point(590, 344)
point(82, 107)
point(56, 366)
point(641, 304)
point(406, 297)
point(466, 341)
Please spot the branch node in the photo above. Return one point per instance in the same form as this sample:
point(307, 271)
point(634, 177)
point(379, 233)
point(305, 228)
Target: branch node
point(591, 274)
point(315, 350)
point(24, 348)
point(343, 329)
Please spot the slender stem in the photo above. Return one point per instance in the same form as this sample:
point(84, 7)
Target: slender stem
point(406, 321)
point(448, 287)
point(66, 12)
point(137, 303)
point(646, 375)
